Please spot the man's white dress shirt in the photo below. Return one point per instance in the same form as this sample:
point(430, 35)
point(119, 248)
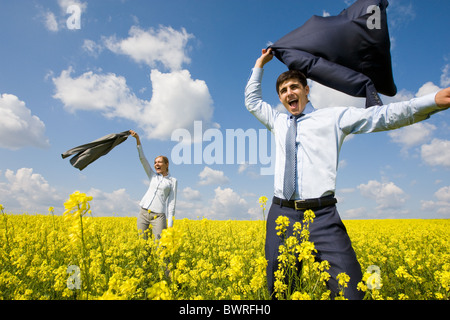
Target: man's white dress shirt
point(321, 132)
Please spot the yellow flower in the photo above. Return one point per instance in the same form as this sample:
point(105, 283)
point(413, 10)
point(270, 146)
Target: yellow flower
point(401, 272)
point(297, 228)
point(325, 295)
point(300, 296)
point(170, 241)
point(263, 201)
point(282, 224)
point(309, 216)
point(343, 279)
point(210, 259)
point(159, 291)
point(324, 265)
point(361, 286)
point(77, 201)
point(236, 269)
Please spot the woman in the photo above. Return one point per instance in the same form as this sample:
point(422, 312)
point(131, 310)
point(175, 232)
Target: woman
point(160, 197)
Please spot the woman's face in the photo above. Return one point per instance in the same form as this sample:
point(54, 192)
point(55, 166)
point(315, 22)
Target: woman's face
point(160, 166)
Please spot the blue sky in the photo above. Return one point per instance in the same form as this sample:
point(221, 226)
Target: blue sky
point(158, 66)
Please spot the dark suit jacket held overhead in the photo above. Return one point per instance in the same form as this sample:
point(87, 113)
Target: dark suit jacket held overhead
point(344, 52)
point(89, 152)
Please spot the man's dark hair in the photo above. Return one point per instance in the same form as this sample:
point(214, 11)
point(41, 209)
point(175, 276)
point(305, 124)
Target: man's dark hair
point(292, 74)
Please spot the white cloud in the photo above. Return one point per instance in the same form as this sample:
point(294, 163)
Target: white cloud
point(227, 204)
point(165, 45)
point(412, 135)
point(210, 176)
point(402, 95)
point(64, 4)
point(437, 153)
point(92, 48)
point(177, 101)
point(281, 108)
point(116, 203)
point(343, 163)
point(191, 194)
point(322, 97)
point(27, 191)
point(189, 99)
point(428, 87)
point(441, 206)
point(105, 92)
point(18, 127)
point(355, 213)
point(445, 76)
point(347, 190)
point(243, 167)
point(387, 195)
point(50, 21)
point(443, 194)
point(189, 209)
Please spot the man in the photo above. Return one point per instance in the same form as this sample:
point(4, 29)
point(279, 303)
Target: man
point(318, 137)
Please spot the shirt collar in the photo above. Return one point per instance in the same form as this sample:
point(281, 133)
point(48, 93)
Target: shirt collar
point(161, 176)
point(309, 108)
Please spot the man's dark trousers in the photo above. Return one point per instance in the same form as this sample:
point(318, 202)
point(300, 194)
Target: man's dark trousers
point(330, 239)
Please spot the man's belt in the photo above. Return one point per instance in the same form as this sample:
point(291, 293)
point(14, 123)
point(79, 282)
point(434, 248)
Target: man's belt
point(307, 203)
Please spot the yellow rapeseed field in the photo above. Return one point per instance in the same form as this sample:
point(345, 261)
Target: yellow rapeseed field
point(79, 256)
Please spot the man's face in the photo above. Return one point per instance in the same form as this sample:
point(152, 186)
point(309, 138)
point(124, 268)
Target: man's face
point(293, 95)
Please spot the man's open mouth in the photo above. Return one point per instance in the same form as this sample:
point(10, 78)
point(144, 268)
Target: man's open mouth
point(293, 103)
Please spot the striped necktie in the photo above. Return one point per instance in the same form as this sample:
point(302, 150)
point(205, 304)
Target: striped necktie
point(290, 170)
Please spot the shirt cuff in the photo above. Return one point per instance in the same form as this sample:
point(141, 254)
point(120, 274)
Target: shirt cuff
point(425, 106)
point(426, 103)
point(428, 100)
